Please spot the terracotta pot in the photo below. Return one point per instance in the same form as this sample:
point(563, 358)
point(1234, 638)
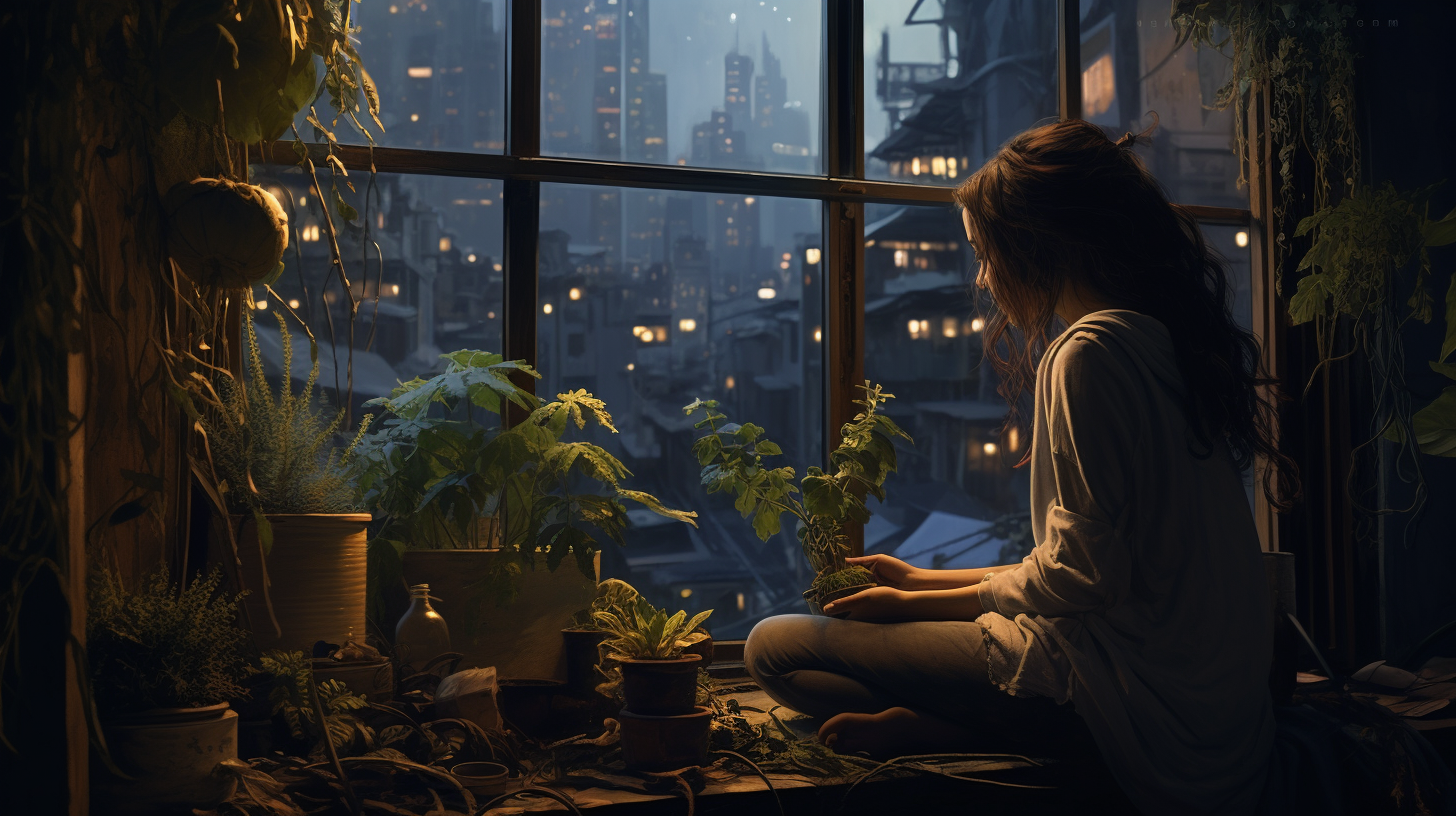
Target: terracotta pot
point(582, 657)
point(482, 778)
point(170, 754)
point(530, 705)
point(665, 743)
point(316, 576)
point(703, 648)
point(522, 639)
point(830, 597)
point(661, 688)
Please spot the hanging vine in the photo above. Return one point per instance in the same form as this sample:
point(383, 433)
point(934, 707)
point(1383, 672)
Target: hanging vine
point(1301, 54)
point(129, 98)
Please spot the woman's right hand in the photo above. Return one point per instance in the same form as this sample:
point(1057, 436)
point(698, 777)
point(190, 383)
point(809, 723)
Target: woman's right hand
point(890, 571)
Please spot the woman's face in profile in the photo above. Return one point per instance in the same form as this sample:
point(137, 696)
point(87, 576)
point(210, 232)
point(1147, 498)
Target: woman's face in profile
point(983, 278)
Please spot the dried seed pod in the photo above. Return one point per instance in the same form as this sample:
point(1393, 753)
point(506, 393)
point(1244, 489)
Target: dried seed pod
point(224, 234)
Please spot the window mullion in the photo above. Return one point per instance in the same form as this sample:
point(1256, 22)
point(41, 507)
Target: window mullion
point(1069, 59)
point(521, 225)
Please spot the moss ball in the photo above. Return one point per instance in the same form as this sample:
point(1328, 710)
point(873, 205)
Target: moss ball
point(224, 234)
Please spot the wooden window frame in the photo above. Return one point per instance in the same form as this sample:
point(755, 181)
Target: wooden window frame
point(842, 190)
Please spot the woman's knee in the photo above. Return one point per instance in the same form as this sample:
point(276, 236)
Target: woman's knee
point(770, 647)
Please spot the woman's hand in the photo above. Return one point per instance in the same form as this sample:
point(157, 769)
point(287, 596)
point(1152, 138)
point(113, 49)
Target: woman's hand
point(881, 603)
point(890, 571)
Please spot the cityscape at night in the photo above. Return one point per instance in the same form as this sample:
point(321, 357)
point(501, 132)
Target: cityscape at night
point(650, 299)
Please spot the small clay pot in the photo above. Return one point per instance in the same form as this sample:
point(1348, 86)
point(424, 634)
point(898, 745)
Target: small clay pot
point(169, 755)
point(661, 688)
point(529, 705)
point(811, 597)
point(581, 660)
point(703, 648)
point(665, 743)
point(482, 778)
point(830, 597)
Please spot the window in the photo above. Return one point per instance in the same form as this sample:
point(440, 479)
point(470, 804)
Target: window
point(663, 218)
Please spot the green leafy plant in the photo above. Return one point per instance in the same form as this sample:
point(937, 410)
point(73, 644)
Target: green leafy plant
point(641, 631)
point(731, 456)
point(1300, 56)
point(1361, 246)
point(292, 674)
point(444, 472)
point(275, 453)
point(614, 596)
point(162, 646)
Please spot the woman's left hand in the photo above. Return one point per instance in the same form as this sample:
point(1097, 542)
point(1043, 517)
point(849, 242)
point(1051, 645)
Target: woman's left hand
point(879, 603)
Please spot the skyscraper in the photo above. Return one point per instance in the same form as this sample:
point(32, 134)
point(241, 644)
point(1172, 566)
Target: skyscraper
point(737, 85)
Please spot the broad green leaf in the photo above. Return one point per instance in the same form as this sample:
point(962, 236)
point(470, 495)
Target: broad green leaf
point(1440, 233)
point(1448, 369)
point(1309, 299)
point(652, 503)
point(1435, 425)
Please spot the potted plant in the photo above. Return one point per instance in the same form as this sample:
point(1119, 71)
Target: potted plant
point(485, 514)
point(647, 646)
point(731, 456)
point(164, 662)
point(663, 728)
point(582, 639)
point(295, 531)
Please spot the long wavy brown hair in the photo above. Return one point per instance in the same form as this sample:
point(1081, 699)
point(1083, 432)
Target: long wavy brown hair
point(1062, 205)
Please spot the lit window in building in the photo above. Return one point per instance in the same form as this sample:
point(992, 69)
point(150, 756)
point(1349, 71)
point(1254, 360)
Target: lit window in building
point(1098, 90)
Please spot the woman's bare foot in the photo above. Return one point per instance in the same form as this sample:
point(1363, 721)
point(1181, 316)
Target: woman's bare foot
point(893, 732)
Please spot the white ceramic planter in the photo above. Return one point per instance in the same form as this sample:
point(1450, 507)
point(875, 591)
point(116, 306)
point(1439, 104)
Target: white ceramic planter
point(170, 755)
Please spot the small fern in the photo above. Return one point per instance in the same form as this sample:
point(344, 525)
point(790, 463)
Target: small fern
point(292, 673)
point(273, 454)
point(160, 647)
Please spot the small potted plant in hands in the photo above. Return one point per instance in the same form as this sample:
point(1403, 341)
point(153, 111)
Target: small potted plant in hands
point(732, 457)
point(164, 663)
point(663, 728)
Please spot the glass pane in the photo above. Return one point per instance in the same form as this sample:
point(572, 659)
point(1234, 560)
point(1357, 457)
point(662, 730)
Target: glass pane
point(922, 342)
point(1129, 67)
point(708, 83)
point(440, 69)
point(947, 81)
point(427, 246)
point(651, 299)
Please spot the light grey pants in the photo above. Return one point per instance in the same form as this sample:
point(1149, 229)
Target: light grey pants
point(824, 666)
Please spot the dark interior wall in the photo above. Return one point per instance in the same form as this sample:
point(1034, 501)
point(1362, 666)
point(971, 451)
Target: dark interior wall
point(1407, 111)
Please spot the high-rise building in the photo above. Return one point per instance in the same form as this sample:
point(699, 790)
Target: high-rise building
point(568, 58)
point(438, 70)
point(607, 80)
point(737, 85)
point(645, 108)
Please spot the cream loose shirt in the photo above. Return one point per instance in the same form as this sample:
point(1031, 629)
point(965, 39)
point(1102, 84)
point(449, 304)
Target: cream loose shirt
point(1144, 601)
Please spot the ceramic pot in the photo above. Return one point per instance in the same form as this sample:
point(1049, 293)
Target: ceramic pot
point(830, 597)
point(811, 598)
point(529, 706)
point(661, 688)
point(522, 639)
point(484, 779)
point(661, 744)
point(372, 678)
point(582, 658)
point(315, 578)
point(703, 648)
point(170, 754)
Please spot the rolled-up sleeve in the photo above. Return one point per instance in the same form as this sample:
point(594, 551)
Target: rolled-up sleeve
point(1082, 559)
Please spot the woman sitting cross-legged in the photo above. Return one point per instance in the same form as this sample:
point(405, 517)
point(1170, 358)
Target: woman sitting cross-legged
point(1140, 621)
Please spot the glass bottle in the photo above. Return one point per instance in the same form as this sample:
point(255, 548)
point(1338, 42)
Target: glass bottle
point(421, 634)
